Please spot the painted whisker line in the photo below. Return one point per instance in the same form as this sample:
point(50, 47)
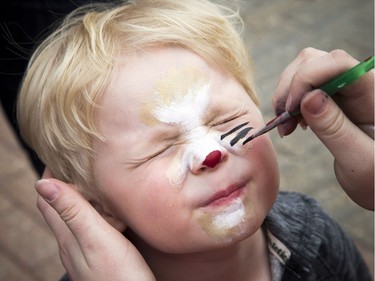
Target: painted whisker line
point(240, 135)
point(233, 130)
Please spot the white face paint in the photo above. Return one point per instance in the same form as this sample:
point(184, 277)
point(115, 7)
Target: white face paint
point(186, 111)
point(185, 107)
point(231, 216)
point(181, 99)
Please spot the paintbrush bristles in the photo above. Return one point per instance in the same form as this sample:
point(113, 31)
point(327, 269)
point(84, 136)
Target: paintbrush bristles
point(248, 139)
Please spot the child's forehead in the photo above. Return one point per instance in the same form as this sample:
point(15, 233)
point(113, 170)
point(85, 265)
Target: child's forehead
point(179, 81)
point(165, 63)
point(152, 77)
point(161, 73)
point(157, 78)
point(177, 89)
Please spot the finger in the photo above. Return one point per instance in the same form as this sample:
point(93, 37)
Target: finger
point(282, 92)
point(332, 127)
point(82, 220)
point(314, 74)
point(68, 245)
point(353, 149)
point(98, 246)
point(283, 85)
point(357, 100)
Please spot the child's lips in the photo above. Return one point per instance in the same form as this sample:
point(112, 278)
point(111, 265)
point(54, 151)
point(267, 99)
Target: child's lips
point(225, 196)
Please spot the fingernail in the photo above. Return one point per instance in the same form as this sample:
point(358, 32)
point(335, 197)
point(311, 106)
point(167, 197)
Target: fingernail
point(280, 107)
point(280, 130)
point(303, 125)
point(289, 103)
point(315, 102)
point(47, 189)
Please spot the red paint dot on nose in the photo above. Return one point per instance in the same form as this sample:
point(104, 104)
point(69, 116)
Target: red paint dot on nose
point(212, 159)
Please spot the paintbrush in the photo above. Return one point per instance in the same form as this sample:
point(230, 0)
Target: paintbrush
point(330, 88)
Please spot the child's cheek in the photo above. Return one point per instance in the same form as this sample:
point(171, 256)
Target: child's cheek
point(264, 160)
point(238, 149)
point(262, 146)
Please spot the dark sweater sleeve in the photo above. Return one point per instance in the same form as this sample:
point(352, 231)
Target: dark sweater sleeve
point(339, 255)
point(320, 249)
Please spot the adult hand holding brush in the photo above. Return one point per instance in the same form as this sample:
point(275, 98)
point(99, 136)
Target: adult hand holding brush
point(344, 123)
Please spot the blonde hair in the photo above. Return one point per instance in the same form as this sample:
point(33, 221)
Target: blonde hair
point(71, 69)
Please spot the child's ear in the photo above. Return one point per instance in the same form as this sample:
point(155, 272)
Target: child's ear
point(108, 216)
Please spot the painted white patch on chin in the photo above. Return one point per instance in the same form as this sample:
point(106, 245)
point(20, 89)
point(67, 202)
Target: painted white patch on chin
point(231, 215)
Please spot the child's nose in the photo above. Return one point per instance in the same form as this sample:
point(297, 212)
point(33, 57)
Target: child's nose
point(212, 159)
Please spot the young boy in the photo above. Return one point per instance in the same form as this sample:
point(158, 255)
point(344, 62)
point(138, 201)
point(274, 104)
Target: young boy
point(143, 107)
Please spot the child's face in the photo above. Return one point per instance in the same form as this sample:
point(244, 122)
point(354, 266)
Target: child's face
point(162, 115)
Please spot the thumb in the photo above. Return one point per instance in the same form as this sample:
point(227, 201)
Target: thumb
point(332, 127)
point(72, 212)
point(89, 246)
point(350, 146)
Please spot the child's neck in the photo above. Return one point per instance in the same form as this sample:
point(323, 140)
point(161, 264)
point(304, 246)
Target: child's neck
point(244, 261)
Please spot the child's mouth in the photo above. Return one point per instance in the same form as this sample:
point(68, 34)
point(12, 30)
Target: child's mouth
point(226, 196)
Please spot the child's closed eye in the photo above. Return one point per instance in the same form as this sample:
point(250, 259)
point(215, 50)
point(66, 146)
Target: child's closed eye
point(139, 161)
point(157, 153)
point(225, 121)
